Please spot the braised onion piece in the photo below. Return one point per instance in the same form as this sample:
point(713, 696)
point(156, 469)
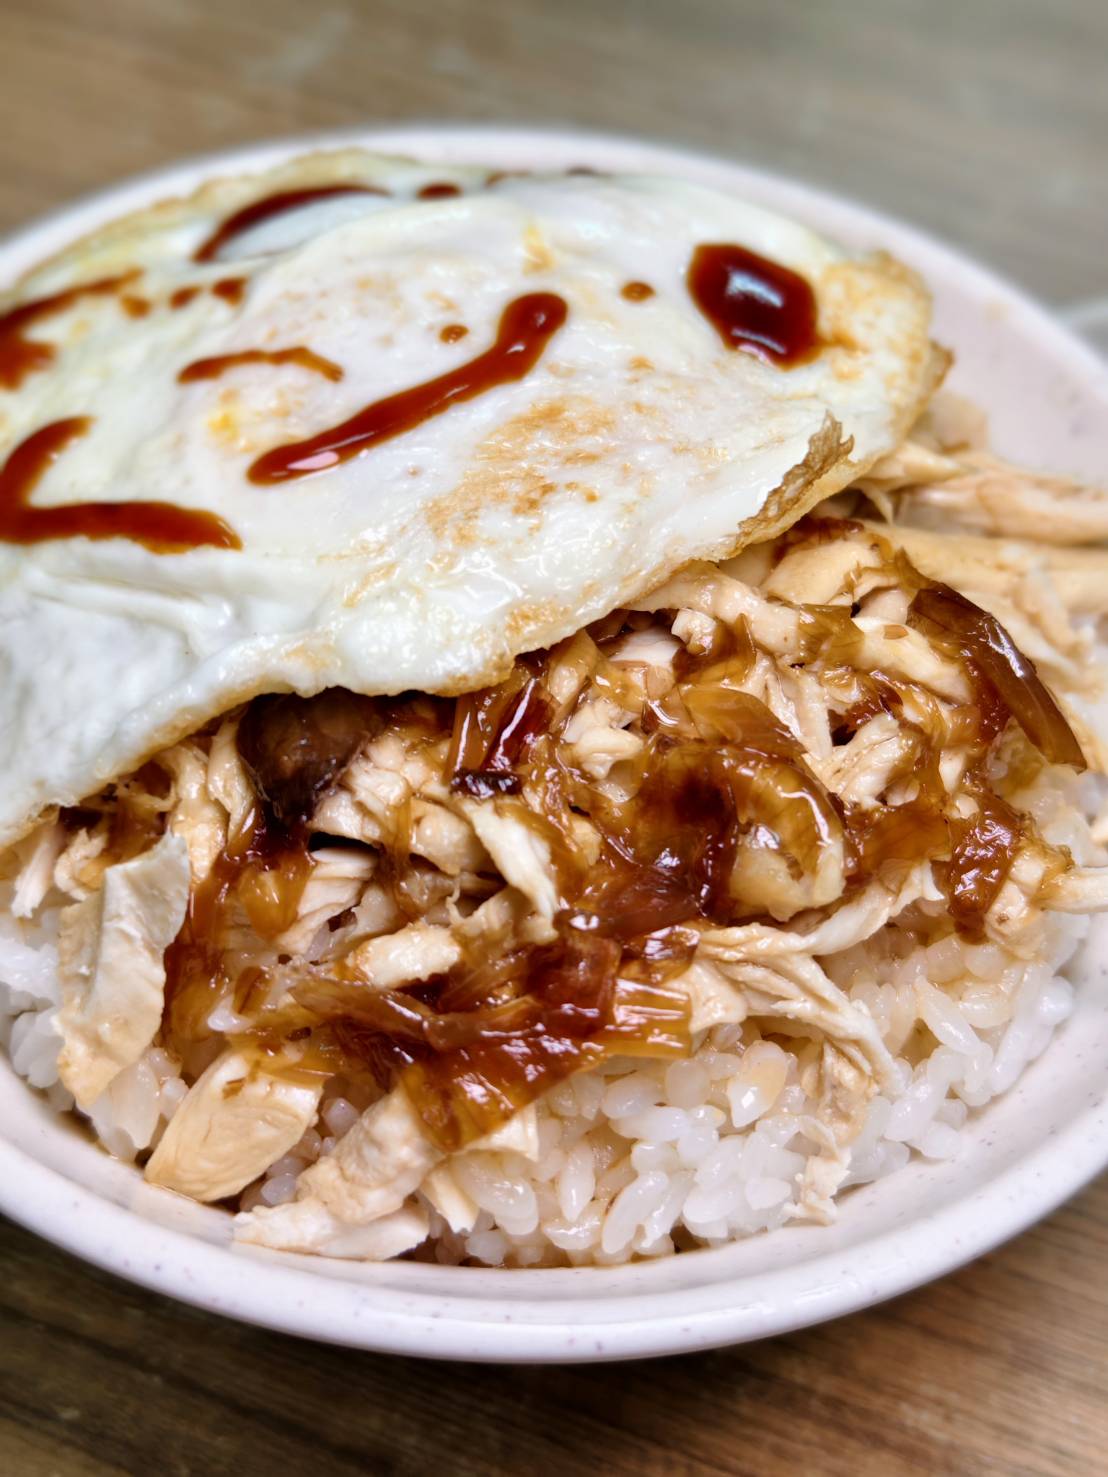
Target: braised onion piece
point(294, 748)
point(986, 648)
point(262, 875)
point(727, 821)
point(493, 730)
point(985, 847)
point(557, 1008)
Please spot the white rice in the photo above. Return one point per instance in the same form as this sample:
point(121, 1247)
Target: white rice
point(669, 1174)
point(640, 1159)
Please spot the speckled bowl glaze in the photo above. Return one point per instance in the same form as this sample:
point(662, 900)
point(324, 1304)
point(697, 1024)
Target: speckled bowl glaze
point(1047, 397)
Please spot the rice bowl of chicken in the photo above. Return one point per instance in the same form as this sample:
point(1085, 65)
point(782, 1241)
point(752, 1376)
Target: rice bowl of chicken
point(696, 890)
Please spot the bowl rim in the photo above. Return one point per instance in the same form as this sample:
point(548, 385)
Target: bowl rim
point(280, 1292)
point(286, 1293)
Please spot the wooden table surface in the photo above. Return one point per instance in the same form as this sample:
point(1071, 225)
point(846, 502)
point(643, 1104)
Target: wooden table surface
point(985, 120)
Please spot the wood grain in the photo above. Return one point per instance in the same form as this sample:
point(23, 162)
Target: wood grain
point(988, 123)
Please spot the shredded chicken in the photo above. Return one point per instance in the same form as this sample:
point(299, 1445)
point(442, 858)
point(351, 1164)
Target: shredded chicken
point(196, 814)
point(36, 859)
point(521, 857)
point(843, 1090)
point(1079, 890)
point(110, 950)
point(860, 771)
point(228, 783)
point(373, 1170)
point(85, 858)
point(365, 1184)
point(238, 1117)
point(413, 953)
point(337, 881)
point(980, 493)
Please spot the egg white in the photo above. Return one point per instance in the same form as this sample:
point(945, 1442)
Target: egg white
point(636, 443)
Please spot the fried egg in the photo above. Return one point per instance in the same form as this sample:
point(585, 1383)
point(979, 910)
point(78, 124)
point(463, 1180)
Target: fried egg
point(368, 423)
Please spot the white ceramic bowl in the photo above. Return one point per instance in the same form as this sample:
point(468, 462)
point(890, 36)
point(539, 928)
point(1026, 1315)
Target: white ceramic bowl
point(1047, 396)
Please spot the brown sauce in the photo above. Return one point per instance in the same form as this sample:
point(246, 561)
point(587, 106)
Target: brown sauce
point(230, 289)
point(755, 304)
point(293, 749)
point(207, 369)
point(884, 836)
point(134, 306)
point(716, 795)
point(474, 1047)
point(263, 872)
point(265, 209)
point(452, 332)
point(162, 528)
point(525, 327)
point(438, 190)
point(636, 292)
point(491, 739)
point(497, 175)
point(21, 356)
point(471, 1046)
point(484, 784)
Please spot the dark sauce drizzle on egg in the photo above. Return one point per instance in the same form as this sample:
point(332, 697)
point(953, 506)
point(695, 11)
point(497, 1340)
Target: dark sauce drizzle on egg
point(267, 208)
point(754, 304)
point(21, 356)
point(525, 328)
point(210, 369)
point(163, 528)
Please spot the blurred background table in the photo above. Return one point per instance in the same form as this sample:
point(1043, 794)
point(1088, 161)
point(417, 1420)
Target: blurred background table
point(985, 121)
